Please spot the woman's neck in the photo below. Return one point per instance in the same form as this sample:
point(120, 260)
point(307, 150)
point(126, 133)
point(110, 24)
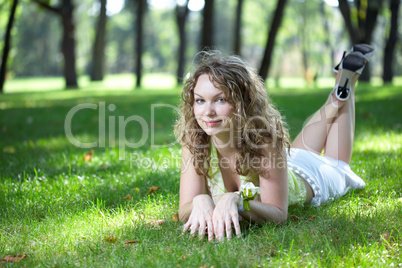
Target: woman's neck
point(225, 144)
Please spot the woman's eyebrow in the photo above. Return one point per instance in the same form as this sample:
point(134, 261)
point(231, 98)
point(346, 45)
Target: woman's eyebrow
point(212, 97)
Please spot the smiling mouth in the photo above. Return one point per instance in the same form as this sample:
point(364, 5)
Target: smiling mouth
point(212, 123)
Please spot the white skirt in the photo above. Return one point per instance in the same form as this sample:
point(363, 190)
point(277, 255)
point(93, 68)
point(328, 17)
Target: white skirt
point(329, 178)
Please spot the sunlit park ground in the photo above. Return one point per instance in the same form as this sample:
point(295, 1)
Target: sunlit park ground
point(61, 205)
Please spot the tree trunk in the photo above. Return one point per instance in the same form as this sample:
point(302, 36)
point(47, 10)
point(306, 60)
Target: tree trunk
point(68, 44)
point(326, 28)
point(7, 44)
point(366, 25)
point(207, 40)
point(276, 22)
point(237, 35)
point(390, 45)
point(181, 16)
point(362, 32)
point(140, 23)
point(304, 41)
point(98, 57)
point(65, 11)
point(347, 16)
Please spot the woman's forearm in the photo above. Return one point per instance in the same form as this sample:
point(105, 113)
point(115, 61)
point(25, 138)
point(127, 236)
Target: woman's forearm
point(260, 213)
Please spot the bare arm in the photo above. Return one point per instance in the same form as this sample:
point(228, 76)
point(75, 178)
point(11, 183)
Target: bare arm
point(273, 206)
point(195, 208)
point(191, 185)
point(274, 193)
point(261, 212)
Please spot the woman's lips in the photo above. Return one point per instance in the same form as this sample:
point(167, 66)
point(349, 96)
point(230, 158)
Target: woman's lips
point(212, 123)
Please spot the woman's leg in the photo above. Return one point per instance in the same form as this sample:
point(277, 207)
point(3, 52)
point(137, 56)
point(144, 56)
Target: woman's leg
point(313, 136)
point(339, 142)
point(331, 127)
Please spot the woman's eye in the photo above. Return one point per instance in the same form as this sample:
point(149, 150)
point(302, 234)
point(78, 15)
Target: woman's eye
point(221, 100)
point(199, 101)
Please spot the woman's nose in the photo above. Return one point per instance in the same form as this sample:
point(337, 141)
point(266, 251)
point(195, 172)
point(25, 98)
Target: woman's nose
point(210, 109)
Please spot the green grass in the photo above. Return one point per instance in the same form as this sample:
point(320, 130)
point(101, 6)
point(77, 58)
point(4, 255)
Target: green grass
point(63, 211)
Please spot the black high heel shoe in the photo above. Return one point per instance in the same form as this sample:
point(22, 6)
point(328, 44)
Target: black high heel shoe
point(352, 64)
point(365, 49)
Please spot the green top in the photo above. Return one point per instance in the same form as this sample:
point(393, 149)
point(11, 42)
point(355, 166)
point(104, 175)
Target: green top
point(216, 187)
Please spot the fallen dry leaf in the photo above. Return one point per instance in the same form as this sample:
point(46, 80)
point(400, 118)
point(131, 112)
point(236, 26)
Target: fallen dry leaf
point(110, 239)
point(13, 258)
point(133, 242)
point(153, 189)
point(156, 223)
point(311, 218)
point(88, 156)
point(183, 257)
point(295, 218)
point(127, 197)
point(101, 213)
point(175, 217)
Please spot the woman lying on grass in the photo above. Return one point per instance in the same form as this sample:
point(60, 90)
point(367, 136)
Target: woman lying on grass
point(237, 160)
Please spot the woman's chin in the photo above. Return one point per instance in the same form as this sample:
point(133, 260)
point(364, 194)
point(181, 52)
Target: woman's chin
point(217, 132)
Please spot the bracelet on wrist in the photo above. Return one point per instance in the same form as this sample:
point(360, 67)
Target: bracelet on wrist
point(245, 196)
point(240, 207)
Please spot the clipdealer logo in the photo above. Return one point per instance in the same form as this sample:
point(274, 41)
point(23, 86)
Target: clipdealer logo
point(108, 122)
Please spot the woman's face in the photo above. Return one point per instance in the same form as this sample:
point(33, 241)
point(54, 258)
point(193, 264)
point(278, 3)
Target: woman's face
point(211, 108)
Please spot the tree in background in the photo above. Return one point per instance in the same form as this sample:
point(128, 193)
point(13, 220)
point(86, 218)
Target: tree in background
point(207, 35)
point(181, 18)
point(327, 40)
point(7, 44)
point(273, 30)
point(388, 73)
point(360, 22)
point(36, 34)
point(98, 52)
point(141, 9)
point(65, 10)
point(237, 32)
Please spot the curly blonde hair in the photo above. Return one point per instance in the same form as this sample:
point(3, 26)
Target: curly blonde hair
point(257, 120)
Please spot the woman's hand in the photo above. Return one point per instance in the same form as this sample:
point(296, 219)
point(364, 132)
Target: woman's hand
point(201, 217)
point(226, 213)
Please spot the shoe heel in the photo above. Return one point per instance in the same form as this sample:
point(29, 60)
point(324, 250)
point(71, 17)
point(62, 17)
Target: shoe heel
point(352, 64)
point(336, 68)
point(342, 88)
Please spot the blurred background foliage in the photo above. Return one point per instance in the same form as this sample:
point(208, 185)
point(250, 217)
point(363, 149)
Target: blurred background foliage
point(311, 38)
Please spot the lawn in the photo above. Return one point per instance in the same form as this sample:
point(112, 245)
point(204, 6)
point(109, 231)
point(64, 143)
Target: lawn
point(62, 205)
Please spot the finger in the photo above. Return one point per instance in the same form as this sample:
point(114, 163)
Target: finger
point(186, 226)
point(215, 228)
point(236, 225)
point(193, 229)
point(217, 224)
point(201, 230)
point(210, 231)
point(220, 231)
point(228, 225)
